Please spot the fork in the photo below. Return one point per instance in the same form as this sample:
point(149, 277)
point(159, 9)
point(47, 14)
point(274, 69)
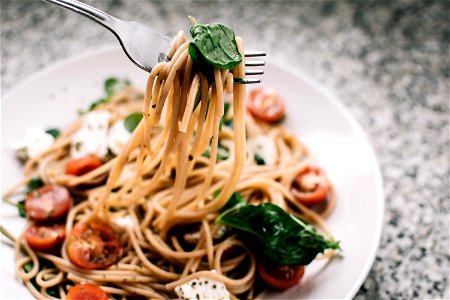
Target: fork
point(144, 46)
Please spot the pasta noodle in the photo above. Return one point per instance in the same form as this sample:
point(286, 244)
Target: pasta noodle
point(164, 193)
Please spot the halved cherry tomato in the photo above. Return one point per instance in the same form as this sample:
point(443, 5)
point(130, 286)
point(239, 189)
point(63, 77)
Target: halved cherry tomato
point(266, 105)
point(281, 277)
point(83, 165)
point(94, 245)
point(310, 186)
point(84, 291)
point(45, 237)
point(49, 202)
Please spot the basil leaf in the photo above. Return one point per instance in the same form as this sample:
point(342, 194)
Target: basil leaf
point(207, 153)
point(222, 152)
point(214, 44)
point(259, 159)
point(28, 267)
point(53, 291)
point(34, 184)
point(216, 193)
point(19, 204)
point(132, 121)
point(226, 108)
point(276, 236)
point(225, 121)
point(21, 208)
point(198, 99)
point(34, 283)
point(114, 85)
point(54, 132)
point(236, 201)
point(97, 103)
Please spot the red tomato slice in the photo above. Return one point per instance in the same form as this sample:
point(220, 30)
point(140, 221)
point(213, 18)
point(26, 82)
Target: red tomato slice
point(83, 165)
point(281, 277)
point(84, 291)
point(265, 104)
point(49, 202)
point(94, 245)
point(45, 237)
point(310, 186)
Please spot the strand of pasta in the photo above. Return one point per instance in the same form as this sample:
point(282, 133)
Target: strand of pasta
point(157, 259)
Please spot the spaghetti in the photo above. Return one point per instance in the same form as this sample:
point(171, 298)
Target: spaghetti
point(164, 193)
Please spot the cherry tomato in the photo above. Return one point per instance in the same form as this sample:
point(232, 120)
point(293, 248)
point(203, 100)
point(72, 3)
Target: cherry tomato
point(49, 202)
point(310, 186)
point(281, 277)
point(266, 105)
point(83, 165)
point(94, 245)
point(45, 237)
point(83, 291)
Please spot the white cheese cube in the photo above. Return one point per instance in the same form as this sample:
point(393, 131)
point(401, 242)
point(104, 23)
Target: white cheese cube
point(118, 137)
point(33, 143)
point(265, 147)
point(203, 288)
point(91, 137)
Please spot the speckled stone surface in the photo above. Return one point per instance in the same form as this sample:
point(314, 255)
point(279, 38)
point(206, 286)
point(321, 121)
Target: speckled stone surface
point(388, 62)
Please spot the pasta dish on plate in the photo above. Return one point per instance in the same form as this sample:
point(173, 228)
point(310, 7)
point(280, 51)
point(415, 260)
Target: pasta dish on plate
point(191, 189)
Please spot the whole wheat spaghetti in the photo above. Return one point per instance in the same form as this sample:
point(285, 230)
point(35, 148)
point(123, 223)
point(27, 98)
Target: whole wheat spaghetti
point(164, 193)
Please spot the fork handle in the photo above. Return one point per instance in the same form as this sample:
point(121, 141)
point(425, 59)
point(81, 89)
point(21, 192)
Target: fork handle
point(92, 13)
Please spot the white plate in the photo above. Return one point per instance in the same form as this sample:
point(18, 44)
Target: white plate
point(53, 97)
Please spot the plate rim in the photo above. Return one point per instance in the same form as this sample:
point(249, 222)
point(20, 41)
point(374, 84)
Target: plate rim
point(294, 72)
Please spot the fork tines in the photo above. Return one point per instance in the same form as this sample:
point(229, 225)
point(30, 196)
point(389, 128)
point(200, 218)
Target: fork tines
point(252, 63)
point(254, 53)
point(246, 80)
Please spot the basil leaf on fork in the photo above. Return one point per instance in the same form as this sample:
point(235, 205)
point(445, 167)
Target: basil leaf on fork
point(214, 44)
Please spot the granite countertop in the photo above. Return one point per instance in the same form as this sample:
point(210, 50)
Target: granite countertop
point(388, 62)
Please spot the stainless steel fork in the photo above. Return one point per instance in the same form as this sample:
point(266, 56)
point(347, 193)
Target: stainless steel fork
point(144, 46)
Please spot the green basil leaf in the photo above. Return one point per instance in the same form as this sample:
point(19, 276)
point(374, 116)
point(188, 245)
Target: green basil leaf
point(53, 132)
point(225, 121)
point(53, 291)
point(35, 284)
point(259, 159)
point(21, 208)
point(226, 108)
point(222, 152)
point(276, 236)
point(214, 44)
point(216, 193)
point(114, 85)
point(236, 201)
point(207, 153)
point(28, 267)
point(97, 103)
point(19, 204)
point(34, 184)
point(132, 121)
point(198, 99)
